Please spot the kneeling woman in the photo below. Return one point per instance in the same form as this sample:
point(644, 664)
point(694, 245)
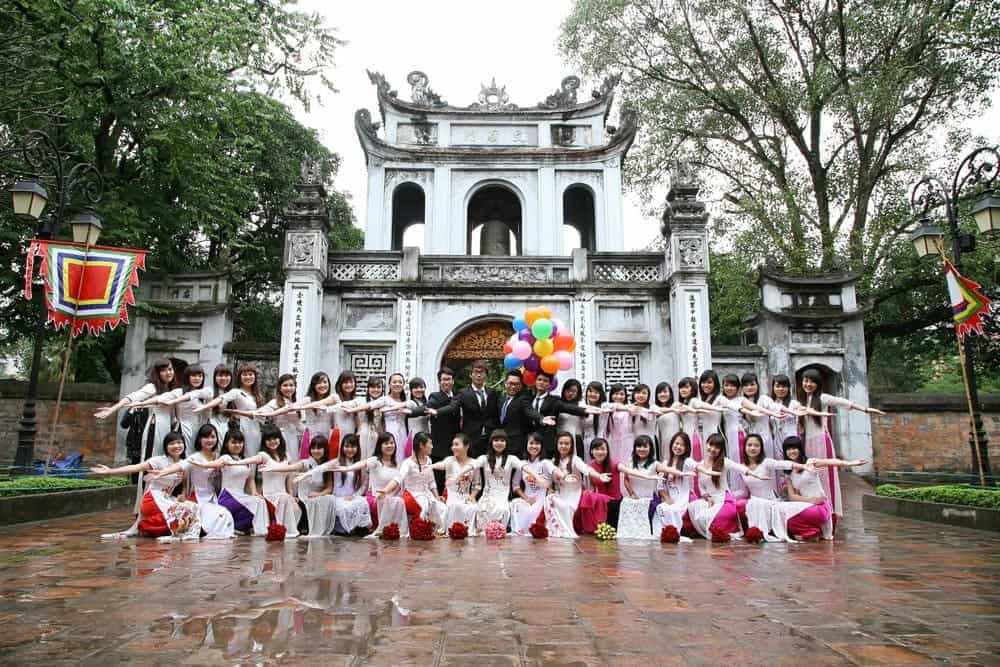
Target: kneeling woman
point(525, 509)
point(314, 488)
point(567, 472)
point(676, 493)
point(239, 489)
point(216, 521)
point(759, 507)
point(160, 514)
point(716, 511)
point(351, 505)
point(383, 478)
point(641, 482)
point(420, 490)
point(277, 485)
point(808, 512)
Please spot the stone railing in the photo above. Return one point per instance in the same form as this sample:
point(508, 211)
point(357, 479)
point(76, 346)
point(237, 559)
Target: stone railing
point(641, 268)
point(496, 270)
point(364, 266)
point(632, 267)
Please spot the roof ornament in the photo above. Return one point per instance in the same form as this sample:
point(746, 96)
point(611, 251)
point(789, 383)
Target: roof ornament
point(420, 92)
point(606, 87)
point(379, 81)
point(565, 96)
point(493, 98)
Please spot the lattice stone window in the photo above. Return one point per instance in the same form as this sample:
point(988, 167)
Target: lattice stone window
point(621, 366)
point(365, 362)
point(363, 271)
point(627, 273)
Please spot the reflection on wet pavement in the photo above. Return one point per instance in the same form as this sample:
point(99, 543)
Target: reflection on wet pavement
point(887, 592)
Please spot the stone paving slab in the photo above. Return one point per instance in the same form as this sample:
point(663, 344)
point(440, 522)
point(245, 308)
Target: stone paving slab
point(888, 592)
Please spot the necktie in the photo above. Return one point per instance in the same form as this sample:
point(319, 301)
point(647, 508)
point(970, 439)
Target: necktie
point(503, 412)
point(538, 404)
point(479, 395)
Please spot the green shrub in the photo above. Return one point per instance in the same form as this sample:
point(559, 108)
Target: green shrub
point(24, 486)
point(954, 494)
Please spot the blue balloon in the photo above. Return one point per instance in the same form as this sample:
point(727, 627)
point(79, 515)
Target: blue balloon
point(510, 362)
point(520, 324)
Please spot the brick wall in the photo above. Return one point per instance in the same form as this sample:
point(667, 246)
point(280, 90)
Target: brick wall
point(930, 433)
point(78, 431)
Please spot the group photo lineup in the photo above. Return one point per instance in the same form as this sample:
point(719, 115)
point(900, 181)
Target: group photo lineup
point(562, 334)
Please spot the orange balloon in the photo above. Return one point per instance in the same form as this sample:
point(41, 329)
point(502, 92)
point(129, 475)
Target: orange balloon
point(550, 364)
point(543, 347)
point(543, 311)
point(507, 348)
point(572, 346)
point(531, 314)
point(564, 341)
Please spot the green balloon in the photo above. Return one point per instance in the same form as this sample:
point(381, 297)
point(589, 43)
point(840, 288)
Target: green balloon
point(542, 328)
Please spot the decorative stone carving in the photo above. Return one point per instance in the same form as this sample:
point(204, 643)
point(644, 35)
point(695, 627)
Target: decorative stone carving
point(691, 252)
point(423, 176)
point(582, 341)
point(480, 341)
point(626, 273)
point(821, 337)
point(301, 249)
point(420, 93)
point(621, 367)
point(569, 136)
point(363, 121)
point(381, 84)
point(493, 98)
point(565, 96)
point(366, 362)
point(607, 86)
point(409, 341)
point(418, 132)
point(495, 273)
point(310, 172)
point(351, 271)
point(369, 316)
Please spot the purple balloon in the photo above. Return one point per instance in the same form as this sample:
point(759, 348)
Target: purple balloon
point(525, 334)
point(555, 330)
point(532, 363)
point(553, 384)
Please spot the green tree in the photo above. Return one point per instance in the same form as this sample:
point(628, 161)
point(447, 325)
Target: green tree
point(172, 103)
point(812, 118)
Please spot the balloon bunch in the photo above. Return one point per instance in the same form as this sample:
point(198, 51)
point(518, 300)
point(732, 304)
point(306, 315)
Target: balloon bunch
point(539, 343)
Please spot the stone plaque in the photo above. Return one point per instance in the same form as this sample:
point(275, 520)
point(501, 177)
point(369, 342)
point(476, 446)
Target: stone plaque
point(823, 337)
point(631, 317)
point(419, 134)
point(369, 316)
point(494, 135)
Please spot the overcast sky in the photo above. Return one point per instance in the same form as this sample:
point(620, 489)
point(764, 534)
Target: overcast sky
point(459, 45)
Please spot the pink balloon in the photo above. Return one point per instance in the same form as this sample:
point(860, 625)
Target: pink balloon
point(565, 360)
point(559, 325)
point(522, 350)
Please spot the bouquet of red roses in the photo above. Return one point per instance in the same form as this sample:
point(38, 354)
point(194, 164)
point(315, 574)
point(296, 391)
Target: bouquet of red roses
point(391, 532)
point(458, 531)
point(421, 529)
point(670, 535)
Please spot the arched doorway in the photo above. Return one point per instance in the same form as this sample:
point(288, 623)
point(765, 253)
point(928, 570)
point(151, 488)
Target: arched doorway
point(408, 203)
point(494, 222)
point(483, 339)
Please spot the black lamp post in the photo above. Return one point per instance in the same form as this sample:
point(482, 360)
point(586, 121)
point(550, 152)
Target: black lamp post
point(29, 198)
point(979, 170)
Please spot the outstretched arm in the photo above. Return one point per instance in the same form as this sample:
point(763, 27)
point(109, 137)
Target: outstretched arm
point(632, 472)
point(835, 463)
point(103, 470)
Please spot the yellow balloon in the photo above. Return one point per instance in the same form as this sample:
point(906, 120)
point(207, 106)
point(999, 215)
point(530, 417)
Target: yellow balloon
point(544, 347)
point(530, 315)
point(543, 311)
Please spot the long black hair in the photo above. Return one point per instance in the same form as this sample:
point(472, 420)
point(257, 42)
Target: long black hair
point(383, 438)
point(154, 376)
point(760, 441)
point(234, 435)
point(709, 375)
point(692, 385)
point(193, 369)
point(650, 458)
point(601, 399)
point(660, 387)
point(204, 431)
point(491, 456)
point(811, 400)
point(569, 384)
point(351, 440)
point(419, 440)
point(271, 432)
point(719, 441)
point(794, 442)
point(781, 381)
point(672, 459)
point(750, 378)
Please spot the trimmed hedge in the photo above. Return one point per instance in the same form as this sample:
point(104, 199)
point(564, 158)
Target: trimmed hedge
point(25, 486)
point(952, 494)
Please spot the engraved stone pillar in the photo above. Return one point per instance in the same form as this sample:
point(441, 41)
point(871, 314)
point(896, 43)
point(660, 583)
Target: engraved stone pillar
point(305, 269)
point(684, 226)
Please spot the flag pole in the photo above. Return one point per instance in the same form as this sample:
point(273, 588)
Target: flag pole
point(65, 366)
point(968, 389)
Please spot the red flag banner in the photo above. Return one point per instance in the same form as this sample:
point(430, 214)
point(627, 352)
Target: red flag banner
point(968, 304)
point(86, 287)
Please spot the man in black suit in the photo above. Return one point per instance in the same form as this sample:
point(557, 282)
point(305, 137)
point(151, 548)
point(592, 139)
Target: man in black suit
point(544, 408)
point(447, 422)
point(512, 415)
point(479, 410)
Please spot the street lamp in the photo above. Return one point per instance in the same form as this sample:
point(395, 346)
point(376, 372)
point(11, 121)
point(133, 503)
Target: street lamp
point(82, 182)
point(978, 170)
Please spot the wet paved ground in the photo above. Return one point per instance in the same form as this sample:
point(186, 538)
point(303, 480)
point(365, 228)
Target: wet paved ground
point(888, 592)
